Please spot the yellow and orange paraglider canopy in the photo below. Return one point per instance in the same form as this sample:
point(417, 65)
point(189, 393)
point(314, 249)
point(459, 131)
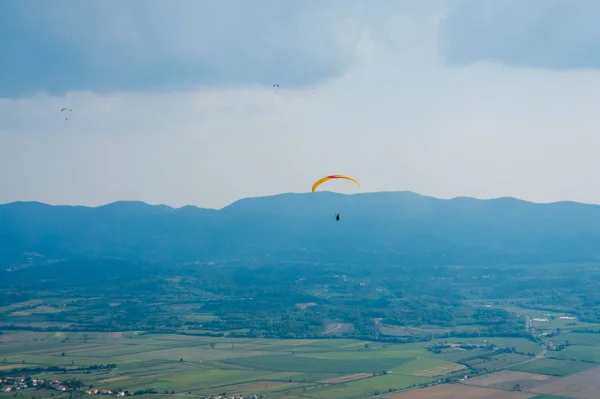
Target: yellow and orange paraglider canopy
point(327, 178)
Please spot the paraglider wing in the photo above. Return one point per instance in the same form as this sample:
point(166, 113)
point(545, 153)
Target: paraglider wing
point(327, 178)
point(66, 109)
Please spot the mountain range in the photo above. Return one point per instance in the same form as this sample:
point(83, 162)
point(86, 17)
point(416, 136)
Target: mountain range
point(385, 227)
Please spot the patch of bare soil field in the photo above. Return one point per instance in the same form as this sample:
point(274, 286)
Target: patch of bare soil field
point(583, 385)
point(506, 380)
point(348, 378)
point(459, 391)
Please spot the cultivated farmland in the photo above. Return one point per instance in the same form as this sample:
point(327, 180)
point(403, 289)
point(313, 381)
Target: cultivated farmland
point(459, 391)
point(583, 385)
point(507, 380)
point(194, 366)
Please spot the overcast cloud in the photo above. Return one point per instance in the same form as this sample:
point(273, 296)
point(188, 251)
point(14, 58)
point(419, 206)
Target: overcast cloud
point(172, 102)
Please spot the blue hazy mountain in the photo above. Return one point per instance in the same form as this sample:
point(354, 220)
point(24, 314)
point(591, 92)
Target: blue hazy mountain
point(385, 227)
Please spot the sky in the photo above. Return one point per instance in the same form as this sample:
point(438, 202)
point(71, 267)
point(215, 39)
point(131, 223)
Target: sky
point(172, 102)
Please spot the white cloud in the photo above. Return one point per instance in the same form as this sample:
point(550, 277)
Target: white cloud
point(398, 120)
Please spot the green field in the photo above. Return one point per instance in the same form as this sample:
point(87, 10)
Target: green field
point(368, 386)
point(581, 339)
point(553, 367)
point(583, 353)
point(317, 365)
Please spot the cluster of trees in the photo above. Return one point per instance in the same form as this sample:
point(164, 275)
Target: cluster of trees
point(40, 369)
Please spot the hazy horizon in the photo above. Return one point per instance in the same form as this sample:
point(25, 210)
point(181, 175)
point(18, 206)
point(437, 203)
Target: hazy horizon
point(174, 104)
point(300, 193)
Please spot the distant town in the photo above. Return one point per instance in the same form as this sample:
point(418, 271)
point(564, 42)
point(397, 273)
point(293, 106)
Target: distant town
point(10, 384)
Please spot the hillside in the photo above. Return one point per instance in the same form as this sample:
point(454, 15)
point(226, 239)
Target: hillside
point(387, 227)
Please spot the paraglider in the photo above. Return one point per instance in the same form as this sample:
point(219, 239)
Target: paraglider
point(276, 87)
point(66, 109)
point(332, 177)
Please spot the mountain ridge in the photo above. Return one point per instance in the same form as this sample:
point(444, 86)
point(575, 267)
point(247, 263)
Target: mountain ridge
point(457, 198)
point(384, 227)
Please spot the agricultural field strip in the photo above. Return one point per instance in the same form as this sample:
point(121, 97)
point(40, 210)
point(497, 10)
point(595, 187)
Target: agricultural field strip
point(433, 372)
point(307, 364)
point(365, 387)
point(142, 349)
point(71, 350)
point(271, 386)
point(347, 378)
point(233, 381)
point(554, 367)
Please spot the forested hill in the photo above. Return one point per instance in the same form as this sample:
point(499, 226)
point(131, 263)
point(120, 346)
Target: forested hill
point(387, 227)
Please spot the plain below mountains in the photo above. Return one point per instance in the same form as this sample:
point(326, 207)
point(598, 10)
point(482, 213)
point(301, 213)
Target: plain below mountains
point(389, 227)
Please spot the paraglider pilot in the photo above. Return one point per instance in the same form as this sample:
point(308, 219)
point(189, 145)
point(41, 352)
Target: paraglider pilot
point(331, 177)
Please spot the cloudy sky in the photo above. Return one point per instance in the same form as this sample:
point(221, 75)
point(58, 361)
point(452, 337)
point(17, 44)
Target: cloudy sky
point(173, 100)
